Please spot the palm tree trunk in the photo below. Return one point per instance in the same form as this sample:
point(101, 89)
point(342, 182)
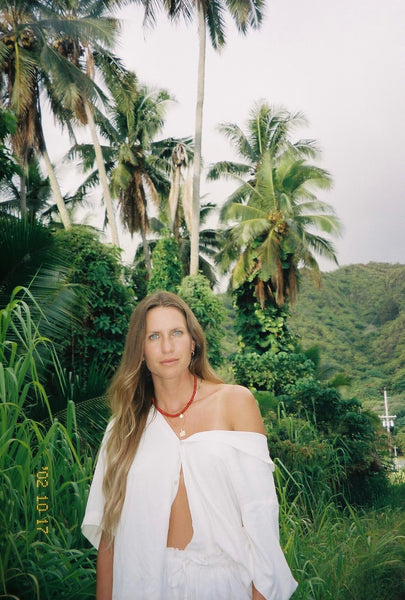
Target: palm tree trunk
point(60, 203)
point(174, 196)
point(102, 173)
point(23, 195)
point(195, 229)
point(148, 261)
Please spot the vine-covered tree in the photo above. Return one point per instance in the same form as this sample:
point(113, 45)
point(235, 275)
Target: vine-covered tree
point(167, 271)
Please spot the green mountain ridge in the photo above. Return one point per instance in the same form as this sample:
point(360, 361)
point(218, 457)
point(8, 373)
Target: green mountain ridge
point(356, 318)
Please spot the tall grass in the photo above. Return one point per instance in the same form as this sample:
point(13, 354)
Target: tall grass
point(44, 476)
point(340, 554)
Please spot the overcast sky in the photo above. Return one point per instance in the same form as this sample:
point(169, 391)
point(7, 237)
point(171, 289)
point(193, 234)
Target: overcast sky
point(341, 63)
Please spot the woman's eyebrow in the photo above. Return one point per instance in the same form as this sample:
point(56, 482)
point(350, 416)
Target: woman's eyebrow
point(149, 331)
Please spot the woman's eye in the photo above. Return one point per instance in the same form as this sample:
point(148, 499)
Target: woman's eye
point(154, 336)
point(177, 332)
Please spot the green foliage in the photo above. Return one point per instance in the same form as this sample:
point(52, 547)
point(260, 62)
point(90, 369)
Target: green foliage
point(33, 260)
point(29, 254)
point(351, 431)
point(98, 340)
point(357, 320)
point(167, 270)
point(260, 329)
point(208, 309)
point(44, 477)
point(8, 165)
point(271, 372)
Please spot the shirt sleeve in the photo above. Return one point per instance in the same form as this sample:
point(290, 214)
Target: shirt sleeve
point(254, 485)
point(91, 525)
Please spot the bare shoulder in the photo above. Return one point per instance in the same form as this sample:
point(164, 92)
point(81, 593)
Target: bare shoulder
point(243, 413)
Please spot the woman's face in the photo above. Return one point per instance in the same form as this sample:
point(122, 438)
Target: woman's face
point(168, 343)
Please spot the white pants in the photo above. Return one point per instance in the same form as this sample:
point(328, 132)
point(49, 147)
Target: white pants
point(193, 575)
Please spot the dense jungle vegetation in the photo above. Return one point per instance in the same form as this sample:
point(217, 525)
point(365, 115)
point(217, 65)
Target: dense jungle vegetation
point(342, 520)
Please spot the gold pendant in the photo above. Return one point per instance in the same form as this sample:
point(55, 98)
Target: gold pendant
point(182, 433)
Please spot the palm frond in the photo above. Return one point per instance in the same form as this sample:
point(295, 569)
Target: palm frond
point(100, 30)
point(228, 170)
point(239, 196)
point(214, 12)
point(68, 81)
point(238, 139)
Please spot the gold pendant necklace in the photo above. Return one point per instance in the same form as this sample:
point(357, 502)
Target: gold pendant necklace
point(182, 431)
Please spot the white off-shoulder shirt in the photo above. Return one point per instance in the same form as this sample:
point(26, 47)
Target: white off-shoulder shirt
point(233, 504)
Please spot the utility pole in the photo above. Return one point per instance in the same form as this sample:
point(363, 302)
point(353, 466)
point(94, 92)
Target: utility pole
point(388, 420)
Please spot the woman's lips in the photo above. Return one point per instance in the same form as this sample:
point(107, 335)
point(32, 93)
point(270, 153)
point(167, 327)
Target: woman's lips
point(169, 361)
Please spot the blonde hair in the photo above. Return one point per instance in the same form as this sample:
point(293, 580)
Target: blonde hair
point(130, 395)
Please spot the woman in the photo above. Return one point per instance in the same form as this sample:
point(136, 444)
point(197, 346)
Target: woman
point(182, 503)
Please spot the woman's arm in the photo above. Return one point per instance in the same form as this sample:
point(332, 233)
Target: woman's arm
point(104, 570)
point(246, 417)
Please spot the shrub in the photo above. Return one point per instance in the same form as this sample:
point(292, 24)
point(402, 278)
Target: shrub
point(107, 302)
point(271, 372)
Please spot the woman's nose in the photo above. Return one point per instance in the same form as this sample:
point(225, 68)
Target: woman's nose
point(167, 344)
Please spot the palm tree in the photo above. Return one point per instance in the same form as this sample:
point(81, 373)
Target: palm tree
point(138, 164)
point(23, 50)
point(275, 233)
point(87, 48)
point(276, 220)
point(38, 192)
point(179, 163)
point(31, 63)
point(268, 128)
point(210, 15)
point(39, 196)
point(139, 173)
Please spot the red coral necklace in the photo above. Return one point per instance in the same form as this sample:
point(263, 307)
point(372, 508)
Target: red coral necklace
point(183, 410)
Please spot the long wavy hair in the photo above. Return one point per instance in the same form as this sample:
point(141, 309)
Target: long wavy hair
point(130, 395)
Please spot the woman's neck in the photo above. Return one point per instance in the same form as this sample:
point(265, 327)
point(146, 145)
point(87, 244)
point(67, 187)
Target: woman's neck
point(172, 394)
